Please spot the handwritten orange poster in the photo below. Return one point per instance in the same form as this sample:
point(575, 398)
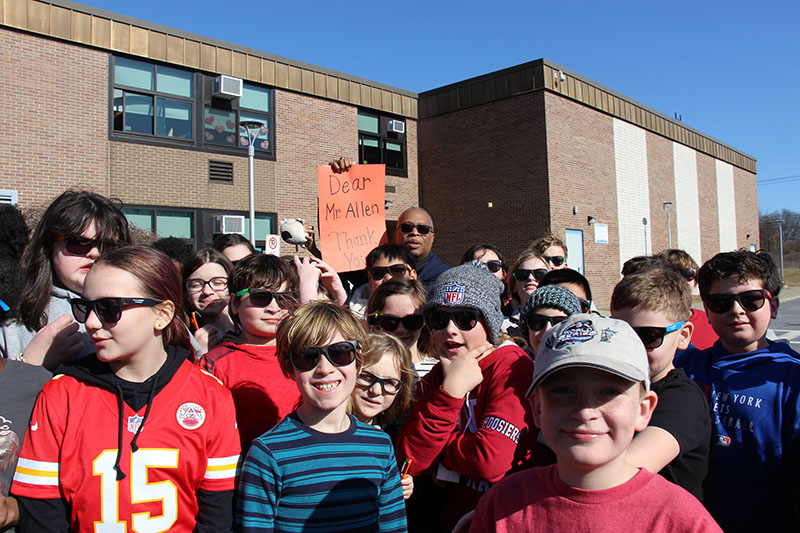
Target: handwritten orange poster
point(352, 218)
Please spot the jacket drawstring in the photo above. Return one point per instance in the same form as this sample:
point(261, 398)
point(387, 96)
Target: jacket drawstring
point(134, 447)
point(120, 408)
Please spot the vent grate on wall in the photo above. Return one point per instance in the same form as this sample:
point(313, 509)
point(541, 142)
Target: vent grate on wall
point(220, 171)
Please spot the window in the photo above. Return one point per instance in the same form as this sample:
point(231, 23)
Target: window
point(382, 139)
point(152, 99)
point(159, 104)
point(165, 222)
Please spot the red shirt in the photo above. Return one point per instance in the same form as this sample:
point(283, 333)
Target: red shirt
point(704, 335)
point(262, 394)
point(188, 442)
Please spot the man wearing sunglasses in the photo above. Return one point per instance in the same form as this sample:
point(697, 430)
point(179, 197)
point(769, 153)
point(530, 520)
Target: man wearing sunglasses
point(414, 231)
point(753, 386)
point(384, 262)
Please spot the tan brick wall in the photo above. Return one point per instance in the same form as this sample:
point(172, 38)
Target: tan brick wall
point(746, 193)
point(580, 150)
point(53, 117)
point(709, 210)
point(489, 153)
point(661, 184)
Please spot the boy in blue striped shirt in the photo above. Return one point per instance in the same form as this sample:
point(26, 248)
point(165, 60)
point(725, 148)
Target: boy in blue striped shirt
point(320, 469)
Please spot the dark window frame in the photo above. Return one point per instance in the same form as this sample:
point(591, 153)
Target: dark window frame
point(383, 136)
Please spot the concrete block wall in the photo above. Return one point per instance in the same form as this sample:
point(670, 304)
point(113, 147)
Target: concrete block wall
point(633, 191)
point(709, 211)
point(687, 207)
point(726, 205)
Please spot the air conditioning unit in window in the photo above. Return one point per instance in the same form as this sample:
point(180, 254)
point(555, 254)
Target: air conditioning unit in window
point(227, 87)
point(9, 197)
point(396, 126)
point(228, 224)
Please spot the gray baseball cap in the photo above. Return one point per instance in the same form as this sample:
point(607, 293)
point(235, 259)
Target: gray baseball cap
point(593, 341)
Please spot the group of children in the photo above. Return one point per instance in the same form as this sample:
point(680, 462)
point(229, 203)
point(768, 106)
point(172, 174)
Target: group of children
point(440, 417)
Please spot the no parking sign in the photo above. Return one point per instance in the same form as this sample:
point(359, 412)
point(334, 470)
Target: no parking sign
point(273, 244)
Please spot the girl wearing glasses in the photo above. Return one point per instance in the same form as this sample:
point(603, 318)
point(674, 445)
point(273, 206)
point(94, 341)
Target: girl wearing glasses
point(205, 282)
point(159, 450)
point(528, 270)
point(320, 468)
point(470, 423)
point(262, 293)
point(396, 307)
point(72, 233)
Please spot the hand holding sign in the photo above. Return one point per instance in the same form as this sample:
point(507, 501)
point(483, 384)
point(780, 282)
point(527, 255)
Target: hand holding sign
point(351, 214)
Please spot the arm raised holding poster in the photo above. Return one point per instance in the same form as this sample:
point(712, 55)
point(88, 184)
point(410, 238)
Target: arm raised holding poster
point(352, 218)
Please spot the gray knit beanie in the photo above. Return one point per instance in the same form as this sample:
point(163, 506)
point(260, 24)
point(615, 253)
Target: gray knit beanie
point(552, 297)
point(470, 285)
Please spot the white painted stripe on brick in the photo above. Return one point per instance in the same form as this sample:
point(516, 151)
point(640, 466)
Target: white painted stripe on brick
point(726, 203)
point(687, 202)
point(633, 192)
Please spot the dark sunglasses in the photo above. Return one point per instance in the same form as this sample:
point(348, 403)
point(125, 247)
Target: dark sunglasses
point(749, 300)
point(689, 274)
point(408, 227)
point(539, 322)
point(264, 297)
point(464, 319)
point(338, 354)
point(198, 285)
point(653, 336)
point(378, 273)
point(494, 266)
point(586, 305)
point(390, 322)
point(108, 310)
point(523, 274)
point(367, 380)
point(77, 245)
point(555, 260)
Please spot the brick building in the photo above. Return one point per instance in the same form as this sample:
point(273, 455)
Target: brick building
point(131, 110)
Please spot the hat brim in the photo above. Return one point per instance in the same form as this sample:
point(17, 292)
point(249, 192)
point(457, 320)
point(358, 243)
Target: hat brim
point(573, 364)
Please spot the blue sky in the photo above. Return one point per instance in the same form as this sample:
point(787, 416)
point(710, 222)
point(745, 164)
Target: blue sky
point(729, 68)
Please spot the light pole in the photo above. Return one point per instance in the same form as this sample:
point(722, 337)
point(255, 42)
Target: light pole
point(780, 222)
point(253, 128)
point(668, 209)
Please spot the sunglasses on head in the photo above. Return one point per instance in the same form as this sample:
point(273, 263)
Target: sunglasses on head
point(494, 266)
point(653, 336)
point(338, 354)
point(367, 380)
point(539, 322)
point(391, 322)
point(408, 227)
point(748, 300)
point(464, 319)
point(524, 274)
point(78, 245)
point(689, 274)
point(198, 285)
point(264, 297)
point(108, 310)
point(378, 273)
point(555, 260)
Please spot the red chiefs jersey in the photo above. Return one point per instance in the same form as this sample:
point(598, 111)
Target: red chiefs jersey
point(189, 441)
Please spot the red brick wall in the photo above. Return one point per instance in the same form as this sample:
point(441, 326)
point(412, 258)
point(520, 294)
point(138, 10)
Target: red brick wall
point(53, 117)
point(661, 184)
point(746, 193)
point(709, 210)
point(580, 149)
point(490, 153)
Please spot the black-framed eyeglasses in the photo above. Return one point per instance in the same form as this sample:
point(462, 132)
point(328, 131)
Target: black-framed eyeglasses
point(653, 336)
point(539, 322)
point(264, 297)
point(217, 284)
point(108, 310)
point(586, 305)
point(748, 300)
point(494, 266)
point(390, 322)
point(338, 354)
point(555, 260)
point(378, 273)
point(367, 380)
point(464, 319)
point(79, 245)
point(524, 274)
point(408, 227)
point(689, 274)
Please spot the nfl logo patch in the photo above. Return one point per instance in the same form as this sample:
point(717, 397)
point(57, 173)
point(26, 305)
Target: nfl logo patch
point(453, 294)
point(190, 416)
point(134, 422)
